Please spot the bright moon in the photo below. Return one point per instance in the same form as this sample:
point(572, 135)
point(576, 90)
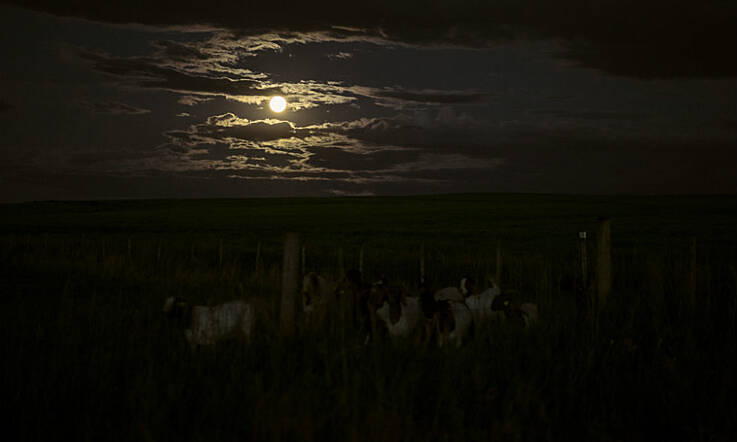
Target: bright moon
point(278, 104)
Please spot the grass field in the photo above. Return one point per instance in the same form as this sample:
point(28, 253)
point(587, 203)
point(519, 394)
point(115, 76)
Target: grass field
point(85, 353)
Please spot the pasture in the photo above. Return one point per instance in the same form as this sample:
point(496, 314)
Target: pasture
point(86, 353)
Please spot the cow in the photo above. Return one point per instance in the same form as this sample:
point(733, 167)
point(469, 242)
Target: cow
point(453, 322)
point(480, 305)
point(524, 314)
point(205, 325)
point(317, 298)
point(399, 313)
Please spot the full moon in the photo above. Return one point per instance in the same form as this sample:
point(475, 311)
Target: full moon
point(278, 104)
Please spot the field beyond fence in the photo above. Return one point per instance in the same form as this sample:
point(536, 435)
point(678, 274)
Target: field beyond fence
point(86, 353)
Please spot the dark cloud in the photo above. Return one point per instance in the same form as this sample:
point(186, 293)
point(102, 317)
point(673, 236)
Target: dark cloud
point(340, 56)
point(409, 131)
point(225, 153)
point(113, 108)
point(545, 168)
point(173, 50)
point(590, 114)
point(336, 152)
point(188, 77)
point(176, 67)
point(432, 96)
point(257, 131)
point(145, 72)
point(655, 38)
point(371, 143)
point(337, 158)
point(403, 98)
point(392, 131)
point(230, 126)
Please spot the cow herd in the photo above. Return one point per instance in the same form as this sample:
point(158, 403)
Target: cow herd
point(353, 309)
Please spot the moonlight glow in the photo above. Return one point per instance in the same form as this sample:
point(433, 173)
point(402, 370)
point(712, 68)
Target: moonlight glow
point(277, 104)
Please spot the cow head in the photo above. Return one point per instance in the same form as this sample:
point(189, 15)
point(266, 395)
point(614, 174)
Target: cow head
point(310, 288)
point(467, 286)
point(175, 308)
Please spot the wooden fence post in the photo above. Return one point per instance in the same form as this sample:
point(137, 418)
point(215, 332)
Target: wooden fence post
point(341, 264)
point(304, 260)
point(290, 269)
point(220, 253)
point(422, 262)
point(498, 274)
point(360, 261)
point(692, 278)
point(583, 300)
point(258, 258)
point(584, 258)
point(603, 262)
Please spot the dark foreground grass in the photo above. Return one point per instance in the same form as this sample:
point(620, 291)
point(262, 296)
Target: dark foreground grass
point(86, 355)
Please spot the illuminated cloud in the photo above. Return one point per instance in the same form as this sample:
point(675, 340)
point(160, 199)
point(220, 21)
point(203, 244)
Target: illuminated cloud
point(197, 87)
point(309, 94)
point(205, 69)
point(193, 100)
point(279, 133)
point(330, 153)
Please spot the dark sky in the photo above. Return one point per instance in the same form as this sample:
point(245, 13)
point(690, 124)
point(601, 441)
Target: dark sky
point(164, 99)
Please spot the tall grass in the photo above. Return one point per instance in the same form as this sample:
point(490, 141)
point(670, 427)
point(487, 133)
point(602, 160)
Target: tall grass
point(86, 354)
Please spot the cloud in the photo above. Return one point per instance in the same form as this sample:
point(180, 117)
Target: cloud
point(178, 51)
point(332, 152)
point(227, 141)
point(590, 114)
point(263, 130)
point(192, 100)
point(429, 96)
point(113, 108)
point(375, 160)
point(230, 126)
point(308, 94)
point(339, 192)
point(442, 126)
point(196, 87)
point(345, 139)
point(145, 72)
point(340, 56)
point(562, 163)
point(655, 38)
point(405, 98)
point(177, 67)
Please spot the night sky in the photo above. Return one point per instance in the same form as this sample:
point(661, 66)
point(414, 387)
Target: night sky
point(160, 99)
